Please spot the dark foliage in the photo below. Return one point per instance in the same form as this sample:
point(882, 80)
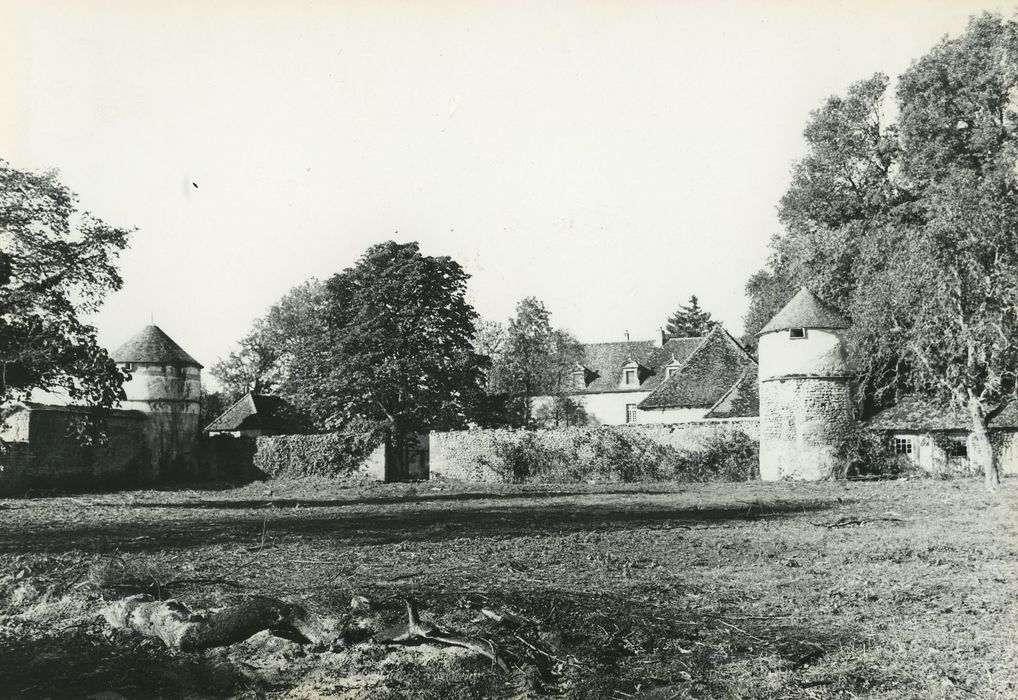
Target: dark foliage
point(392, 345)
point(56, 264)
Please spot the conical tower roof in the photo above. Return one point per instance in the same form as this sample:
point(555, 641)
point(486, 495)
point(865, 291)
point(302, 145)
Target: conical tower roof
point(806, 310)
point(151, 344)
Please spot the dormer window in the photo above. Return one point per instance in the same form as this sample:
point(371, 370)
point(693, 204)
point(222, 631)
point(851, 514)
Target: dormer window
point(796, 333)
point(633, 374)
point(672, 368)
point(128, 366)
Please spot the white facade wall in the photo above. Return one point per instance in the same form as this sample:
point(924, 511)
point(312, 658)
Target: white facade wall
point(930, 457)
point(610, 408)
point(820, 354)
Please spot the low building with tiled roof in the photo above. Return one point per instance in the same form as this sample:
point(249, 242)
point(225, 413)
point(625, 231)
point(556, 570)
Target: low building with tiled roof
point(668, 381)
point(936, 436)
point(252, 415)
point(703, 379)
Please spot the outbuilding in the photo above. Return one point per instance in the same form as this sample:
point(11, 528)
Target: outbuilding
point(937, 438)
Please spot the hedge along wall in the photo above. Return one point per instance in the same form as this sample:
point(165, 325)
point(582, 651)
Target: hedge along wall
point(328, 454)
point(725, 450)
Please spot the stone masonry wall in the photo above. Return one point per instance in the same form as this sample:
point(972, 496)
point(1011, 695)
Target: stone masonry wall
point(46, 451)
point(465, 454)
point(802, 420)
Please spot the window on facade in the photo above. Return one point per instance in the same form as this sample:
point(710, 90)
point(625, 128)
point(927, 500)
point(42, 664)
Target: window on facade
point(796, 333)
point(957, 447)
point(630, 412)
point(629, 376)
point(903, 446)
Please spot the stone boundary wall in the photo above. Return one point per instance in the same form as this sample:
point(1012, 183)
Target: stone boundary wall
point(47, 447)
point(468, 454)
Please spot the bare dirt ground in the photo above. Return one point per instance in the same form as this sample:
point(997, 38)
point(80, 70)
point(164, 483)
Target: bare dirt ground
point(901, 589)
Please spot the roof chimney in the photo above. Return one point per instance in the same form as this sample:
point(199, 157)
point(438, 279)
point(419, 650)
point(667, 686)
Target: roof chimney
point(627, 336)
point(664, 337)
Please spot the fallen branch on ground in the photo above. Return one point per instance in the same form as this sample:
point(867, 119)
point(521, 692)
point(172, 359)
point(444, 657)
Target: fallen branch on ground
point(181, 628)
point(416, 631)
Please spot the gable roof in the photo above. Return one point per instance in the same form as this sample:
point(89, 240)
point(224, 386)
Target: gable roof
point(806, 310)
point(742, 400)
point(606, 361)
point(706, 376)
point(251, 412)
point(919, 413)
point(151, 344)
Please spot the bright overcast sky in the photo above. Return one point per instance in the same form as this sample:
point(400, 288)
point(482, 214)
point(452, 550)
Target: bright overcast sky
point(610, 158)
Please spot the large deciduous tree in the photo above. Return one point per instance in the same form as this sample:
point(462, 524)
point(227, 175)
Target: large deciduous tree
point(261, 364)
point(57, 264)
point(529, 358)
point(392, 345)
point(913, 228)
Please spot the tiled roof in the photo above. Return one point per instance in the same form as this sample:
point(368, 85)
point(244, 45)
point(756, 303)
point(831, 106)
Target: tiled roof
point(742, 400)
point(252, 412)
point(151, 344)
point(706, 376)
point(921, 413)
point(606, 360)
point(806, 310)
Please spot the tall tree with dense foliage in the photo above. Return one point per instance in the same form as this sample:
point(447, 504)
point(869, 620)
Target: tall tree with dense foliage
point(392, 345)
point(913, 228)
point(57, 264)
point(689, 321)
point(529, 358)
point(262, 361)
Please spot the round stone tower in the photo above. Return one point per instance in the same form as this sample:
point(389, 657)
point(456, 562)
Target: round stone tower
point(165, 383)
point(805, 390)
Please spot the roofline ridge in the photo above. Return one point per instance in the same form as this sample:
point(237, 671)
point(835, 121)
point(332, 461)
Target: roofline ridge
point(232, 406)
point(678, 370)
point(727, 393)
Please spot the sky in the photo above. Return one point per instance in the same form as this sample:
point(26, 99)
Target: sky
point(608, 157)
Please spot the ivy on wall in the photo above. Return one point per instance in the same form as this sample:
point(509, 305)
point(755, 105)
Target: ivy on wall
point(706, 452)
point(328, 454)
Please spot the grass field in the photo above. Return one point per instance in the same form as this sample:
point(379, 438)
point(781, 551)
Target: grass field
point(902, 589)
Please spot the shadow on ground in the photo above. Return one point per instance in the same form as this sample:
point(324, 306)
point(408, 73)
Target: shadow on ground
point(338, 525)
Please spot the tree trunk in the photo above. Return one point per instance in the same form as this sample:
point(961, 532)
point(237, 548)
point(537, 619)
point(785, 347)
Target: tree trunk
point(983, 454)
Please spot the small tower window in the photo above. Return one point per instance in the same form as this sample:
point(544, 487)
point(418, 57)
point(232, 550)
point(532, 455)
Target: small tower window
point(796, 333)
